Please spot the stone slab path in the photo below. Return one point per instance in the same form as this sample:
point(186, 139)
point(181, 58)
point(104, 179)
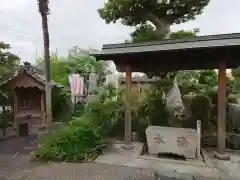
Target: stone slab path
point(115, 155)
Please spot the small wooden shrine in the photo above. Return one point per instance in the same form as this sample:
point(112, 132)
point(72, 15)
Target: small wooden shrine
point(28, 85)
point(204, 52)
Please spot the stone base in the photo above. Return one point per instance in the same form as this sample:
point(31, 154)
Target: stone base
point(163, 174)
point(128, 147)
point(219, 156)
point(181, 141)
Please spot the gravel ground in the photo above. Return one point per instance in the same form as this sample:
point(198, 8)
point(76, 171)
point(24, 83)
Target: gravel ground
point(15, 165)
point(14, 155)
point(86, 171)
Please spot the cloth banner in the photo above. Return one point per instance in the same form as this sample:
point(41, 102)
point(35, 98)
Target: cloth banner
point(77, 86)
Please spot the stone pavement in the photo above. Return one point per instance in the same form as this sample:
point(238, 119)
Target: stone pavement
point(115, 155)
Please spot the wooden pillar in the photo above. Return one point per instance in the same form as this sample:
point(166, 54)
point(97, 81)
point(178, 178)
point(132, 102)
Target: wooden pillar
point(222, 108)
point(128, 118)
point(15, 108)
point(42, 106)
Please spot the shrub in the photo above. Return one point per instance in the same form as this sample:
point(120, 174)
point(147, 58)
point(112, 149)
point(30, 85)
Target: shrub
point(141, 129)
point(200, 110)
point(79, 141)
point(61, 105)
point(155, 109)
point(103, 115)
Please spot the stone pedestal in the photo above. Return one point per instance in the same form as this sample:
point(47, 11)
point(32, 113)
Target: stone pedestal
point(181, 141)
point(224, 157)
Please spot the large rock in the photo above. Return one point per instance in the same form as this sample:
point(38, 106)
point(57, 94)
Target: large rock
point(181, 141)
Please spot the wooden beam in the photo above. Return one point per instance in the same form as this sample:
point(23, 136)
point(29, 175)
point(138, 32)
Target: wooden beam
point(222, 108)
point(128, 118)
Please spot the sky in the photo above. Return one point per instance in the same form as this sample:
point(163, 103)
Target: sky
point(77, 22)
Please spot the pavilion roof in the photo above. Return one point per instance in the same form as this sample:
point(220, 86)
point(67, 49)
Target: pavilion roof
point(175, 54)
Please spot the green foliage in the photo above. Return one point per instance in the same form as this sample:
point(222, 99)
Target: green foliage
point(79, 142)
point(208, 77)
point(8, 62)
point(145, 32)
point(6, 119)
point(137, 12)
point(201, 109)
point(82, 139)
point(236, 76)
point(61, 105)
point(156, 111)
point(182, 33)
point(8, 65)
point(103, 115)
point(78, 61)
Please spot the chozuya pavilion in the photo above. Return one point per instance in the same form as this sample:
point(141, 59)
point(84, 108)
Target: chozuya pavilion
point(204, 52)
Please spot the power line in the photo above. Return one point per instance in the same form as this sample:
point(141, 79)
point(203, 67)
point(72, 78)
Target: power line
point(17, 17)
point(17, 36)
point(14, 30)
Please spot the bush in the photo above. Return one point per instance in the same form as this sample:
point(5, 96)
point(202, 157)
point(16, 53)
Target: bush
point(200, 110)
point(79, 142)
point(141, 129)
point(103, 115)
point(61, 105)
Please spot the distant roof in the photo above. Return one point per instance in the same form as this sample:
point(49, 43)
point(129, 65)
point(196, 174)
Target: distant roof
point(32, 71)
point(138, 80)
point(185, 51)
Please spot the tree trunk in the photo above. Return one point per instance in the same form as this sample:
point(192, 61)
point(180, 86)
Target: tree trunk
point(162, 25)
point(173, 95)
point(48, 86)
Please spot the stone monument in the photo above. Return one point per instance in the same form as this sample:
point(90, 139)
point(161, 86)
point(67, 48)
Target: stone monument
point(92, 89)
point(174, 101)
point(181, 141)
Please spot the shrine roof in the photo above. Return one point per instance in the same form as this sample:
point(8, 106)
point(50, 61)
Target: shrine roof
point(32, 71)
point(185, 53)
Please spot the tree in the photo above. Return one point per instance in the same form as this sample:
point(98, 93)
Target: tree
point(44, 11)
point(78, 61)
point(84, 64)
point(146, 32)
point(236, 76)
point(9, 62)
point(160, 13)
point(208, 77)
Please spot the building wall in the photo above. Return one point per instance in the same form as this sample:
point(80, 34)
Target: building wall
point(28, 108)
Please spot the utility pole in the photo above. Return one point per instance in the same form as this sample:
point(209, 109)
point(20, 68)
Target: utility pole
point(44, 11)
